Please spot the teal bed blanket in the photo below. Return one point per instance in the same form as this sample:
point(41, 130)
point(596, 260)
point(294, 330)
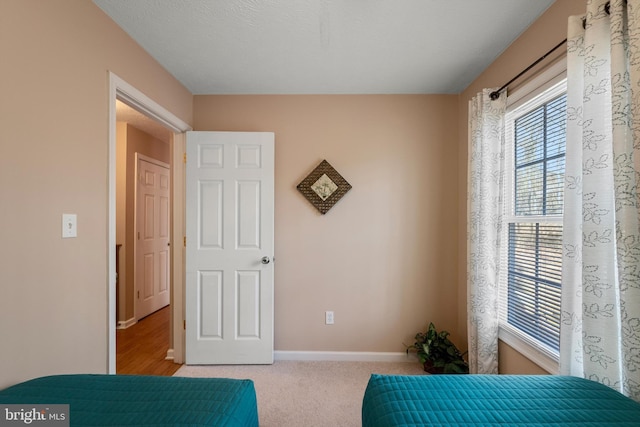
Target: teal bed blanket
point(494, 400)
point(127, 400)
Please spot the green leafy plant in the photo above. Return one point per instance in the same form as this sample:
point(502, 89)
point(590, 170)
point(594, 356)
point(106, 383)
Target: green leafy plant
point(437, 353)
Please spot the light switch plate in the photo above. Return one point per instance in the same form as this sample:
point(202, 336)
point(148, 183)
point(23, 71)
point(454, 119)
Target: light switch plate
point(69, 226)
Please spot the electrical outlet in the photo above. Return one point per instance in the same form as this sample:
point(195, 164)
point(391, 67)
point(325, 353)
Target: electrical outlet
point(328, 317)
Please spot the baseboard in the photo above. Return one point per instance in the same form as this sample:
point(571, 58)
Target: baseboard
point(344, 356)
point(169, 354)
point(126, 323)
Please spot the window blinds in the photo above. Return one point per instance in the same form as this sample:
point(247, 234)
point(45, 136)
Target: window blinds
point(534, 232)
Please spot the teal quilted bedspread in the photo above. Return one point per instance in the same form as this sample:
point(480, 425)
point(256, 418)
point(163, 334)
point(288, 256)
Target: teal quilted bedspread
point(126, 400)
point(494, 400)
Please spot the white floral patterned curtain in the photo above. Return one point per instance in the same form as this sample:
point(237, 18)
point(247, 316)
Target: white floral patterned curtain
point(600, 324)
point(485, 211)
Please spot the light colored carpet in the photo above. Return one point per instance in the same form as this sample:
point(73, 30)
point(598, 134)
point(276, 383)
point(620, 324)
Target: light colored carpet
point(307, 393)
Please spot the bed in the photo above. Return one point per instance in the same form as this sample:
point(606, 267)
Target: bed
point(491, 400)
point(128, 400)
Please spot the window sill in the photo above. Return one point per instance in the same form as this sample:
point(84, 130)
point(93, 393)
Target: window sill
point(541, 358)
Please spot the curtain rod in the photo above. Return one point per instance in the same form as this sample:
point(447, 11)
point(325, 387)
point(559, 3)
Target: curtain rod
point(496, 93)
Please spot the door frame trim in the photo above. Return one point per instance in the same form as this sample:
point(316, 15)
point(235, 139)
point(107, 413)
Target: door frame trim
point(125, 92)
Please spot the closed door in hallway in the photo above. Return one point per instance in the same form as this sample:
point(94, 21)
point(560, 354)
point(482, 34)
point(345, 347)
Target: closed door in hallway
point(152, 236)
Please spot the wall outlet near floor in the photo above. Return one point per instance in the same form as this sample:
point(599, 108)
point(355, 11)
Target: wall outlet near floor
point(328, 317)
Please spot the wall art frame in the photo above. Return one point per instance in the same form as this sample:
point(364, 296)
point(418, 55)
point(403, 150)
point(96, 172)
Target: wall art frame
point(324, 187)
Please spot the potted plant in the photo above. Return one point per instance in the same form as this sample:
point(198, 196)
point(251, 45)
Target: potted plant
point(437, 353)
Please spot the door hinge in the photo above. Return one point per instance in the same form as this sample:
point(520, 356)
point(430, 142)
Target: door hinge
point(184, 325)
point(138, 235)
point(185, 241)
point(138, 294)
point(184, 158)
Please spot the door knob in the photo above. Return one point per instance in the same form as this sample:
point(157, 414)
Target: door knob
point(265, 260)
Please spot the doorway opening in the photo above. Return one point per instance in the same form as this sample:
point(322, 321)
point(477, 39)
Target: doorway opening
point(142, 243)
point(154, 115)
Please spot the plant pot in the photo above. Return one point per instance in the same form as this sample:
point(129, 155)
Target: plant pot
point(428, 367)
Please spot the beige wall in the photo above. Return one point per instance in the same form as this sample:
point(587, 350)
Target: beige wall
point(54, 117)
point(129, 142)
point(549, 30)
point(514, 363)
point(387, 258)
point(384, 257)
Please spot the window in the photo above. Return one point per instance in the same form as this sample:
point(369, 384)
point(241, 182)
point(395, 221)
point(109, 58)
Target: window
point(532, 256)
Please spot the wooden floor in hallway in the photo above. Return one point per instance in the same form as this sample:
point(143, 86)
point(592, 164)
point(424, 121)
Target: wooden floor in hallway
point(142, 348)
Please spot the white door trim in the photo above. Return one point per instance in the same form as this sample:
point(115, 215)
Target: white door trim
point(120, 89)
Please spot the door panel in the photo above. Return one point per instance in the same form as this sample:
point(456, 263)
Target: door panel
point(210, 296)
point(248, 290)
point(210, 207)
point(229, 217)
point(248, 208)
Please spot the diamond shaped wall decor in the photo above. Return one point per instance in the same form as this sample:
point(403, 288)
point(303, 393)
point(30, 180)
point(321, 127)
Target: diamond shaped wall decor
point(323, 187)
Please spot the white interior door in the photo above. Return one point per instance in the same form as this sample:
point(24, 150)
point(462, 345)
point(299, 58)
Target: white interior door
point(152, 236)
point(229, 267)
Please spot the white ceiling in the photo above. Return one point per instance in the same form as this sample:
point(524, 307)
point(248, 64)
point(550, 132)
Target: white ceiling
point(324, 46)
